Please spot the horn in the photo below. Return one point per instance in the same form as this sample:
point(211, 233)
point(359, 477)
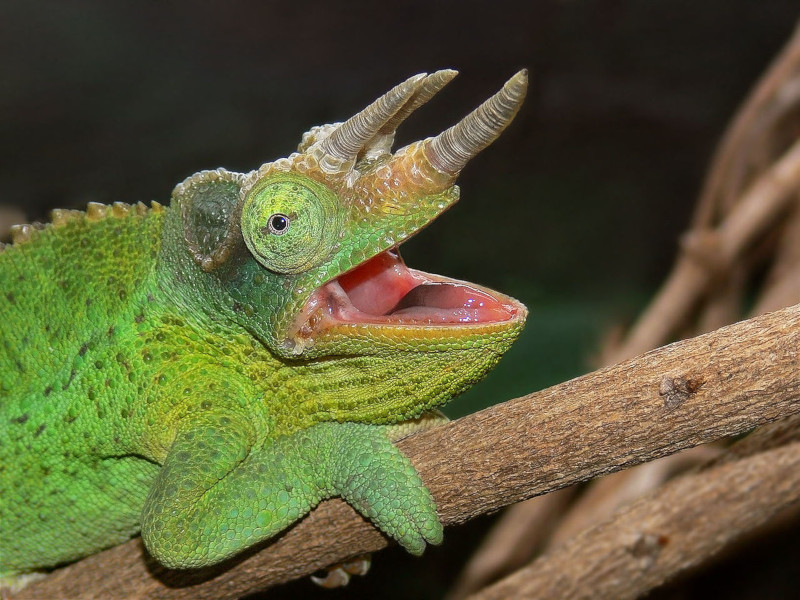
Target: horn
point(429, 87)
point(452, 149)
point(382, 142)
point(345, 142)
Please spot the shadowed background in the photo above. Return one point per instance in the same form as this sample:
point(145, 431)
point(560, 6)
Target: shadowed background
point(576, 210)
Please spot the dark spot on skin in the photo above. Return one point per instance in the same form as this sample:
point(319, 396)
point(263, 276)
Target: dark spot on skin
point(47, 328)
point(122, 294)
point(88, 302)
point(139, 318)
point(83, 350)
point(10, 297)
point(124, 413)
point(111, 331)
point(39, 430)
point(23, 418)
point(237, 306)
point(150, 298)
point(48, 390)
point(69, 381)
point(70, 418)
point(20, 366)
point(121, 361)
point(98, 364)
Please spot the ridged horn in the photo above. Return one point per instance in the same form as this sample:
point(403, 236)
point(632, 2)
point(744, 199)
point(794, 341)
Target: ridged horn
point(452, 149)
point(430, 86)
point(345, 142)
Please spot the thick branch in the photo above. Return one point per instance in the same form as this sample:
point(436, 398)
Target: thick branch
point(695, 391)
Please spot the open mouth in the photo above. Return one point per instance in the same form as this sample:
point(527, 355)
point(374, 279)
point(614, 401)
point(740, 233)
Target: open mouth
point(384, 291)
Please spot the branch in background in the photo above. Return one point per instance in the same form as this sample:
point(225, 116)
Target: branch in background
point(782, 285)
point(520, 533)
point(672, 529)
point(692, 392)
point(707, 252)
point(774, 95)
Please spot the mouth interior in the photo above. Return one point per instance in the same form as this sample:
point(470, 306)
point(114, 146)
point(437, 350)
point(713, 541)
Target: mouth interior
point(384, 290)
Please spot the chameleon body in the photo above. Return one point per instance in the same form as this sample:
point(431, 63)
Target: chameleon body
point(206, 373)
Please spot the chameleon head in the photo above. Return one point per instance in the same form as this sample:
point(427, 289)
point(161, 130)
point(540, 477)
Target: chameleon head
point(306, 246)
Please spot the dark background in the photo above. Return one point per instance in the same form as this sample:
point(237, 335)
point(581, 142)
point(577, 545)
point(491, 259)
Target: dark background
point(575, 210)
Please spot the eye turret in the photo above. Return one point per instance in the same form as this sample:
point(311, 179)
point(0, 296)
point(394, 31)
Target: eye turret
point(290, 223)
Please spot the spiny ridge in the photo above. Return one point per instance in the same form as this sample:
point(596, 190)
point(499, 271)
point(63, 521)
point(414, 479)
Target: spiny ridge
point(95, 211)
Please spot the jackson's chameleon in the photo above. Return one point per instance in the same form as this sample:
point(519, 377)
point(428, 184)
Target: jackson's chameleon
point(208, 372)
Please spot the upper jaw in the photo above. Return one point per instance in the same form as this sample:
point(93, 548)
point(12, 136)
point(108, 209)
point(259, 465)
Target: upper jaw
point(383, 293)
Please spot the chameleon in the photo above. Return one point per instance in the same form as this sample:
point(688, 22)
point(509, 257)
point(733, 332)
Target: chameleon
point(205, 373)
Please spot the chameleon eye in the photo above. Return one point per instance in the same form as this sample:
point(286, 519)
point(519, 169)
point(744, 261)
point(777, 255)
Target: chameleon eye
point(278, 224)
point(290, 223)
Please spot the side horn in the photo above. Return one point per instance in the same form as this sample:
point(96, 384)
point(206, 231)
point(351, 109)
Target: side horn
point(382, 142)
point(452, 149)
point(347, 140)
point(430, 86)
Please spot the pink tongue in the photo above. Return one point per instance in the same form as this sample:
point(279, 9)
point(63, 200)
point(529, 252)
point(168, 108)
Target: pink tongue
point(449, 303)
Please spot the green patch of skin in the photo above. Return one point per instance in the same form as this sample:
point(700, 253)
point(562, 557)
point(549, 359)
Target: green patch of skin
point(151, 378)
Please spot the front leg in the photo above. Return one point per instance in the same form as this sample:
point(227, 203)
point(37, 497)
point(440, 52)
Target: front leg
point(220, 491)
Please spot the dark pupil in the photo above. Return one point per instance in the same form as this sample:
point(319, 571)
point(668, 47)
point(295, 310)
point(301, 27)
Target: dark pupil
point(279, 222)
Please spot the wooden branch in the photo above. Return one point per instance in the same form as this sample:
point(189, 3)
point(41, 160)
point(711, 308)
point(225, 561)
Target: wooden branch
point(692, 392)
point(675, 528)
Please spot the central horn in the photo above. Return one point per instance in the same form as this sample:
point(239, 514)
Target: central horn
point(337, 152)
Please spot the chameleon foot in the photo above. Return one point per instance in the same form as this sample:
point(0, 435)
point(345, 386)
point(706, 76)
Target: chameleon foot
point(339, 575)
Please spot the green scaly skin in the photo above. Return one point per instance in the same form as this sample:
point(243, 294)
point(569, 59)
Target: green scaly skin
point(155, 378)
